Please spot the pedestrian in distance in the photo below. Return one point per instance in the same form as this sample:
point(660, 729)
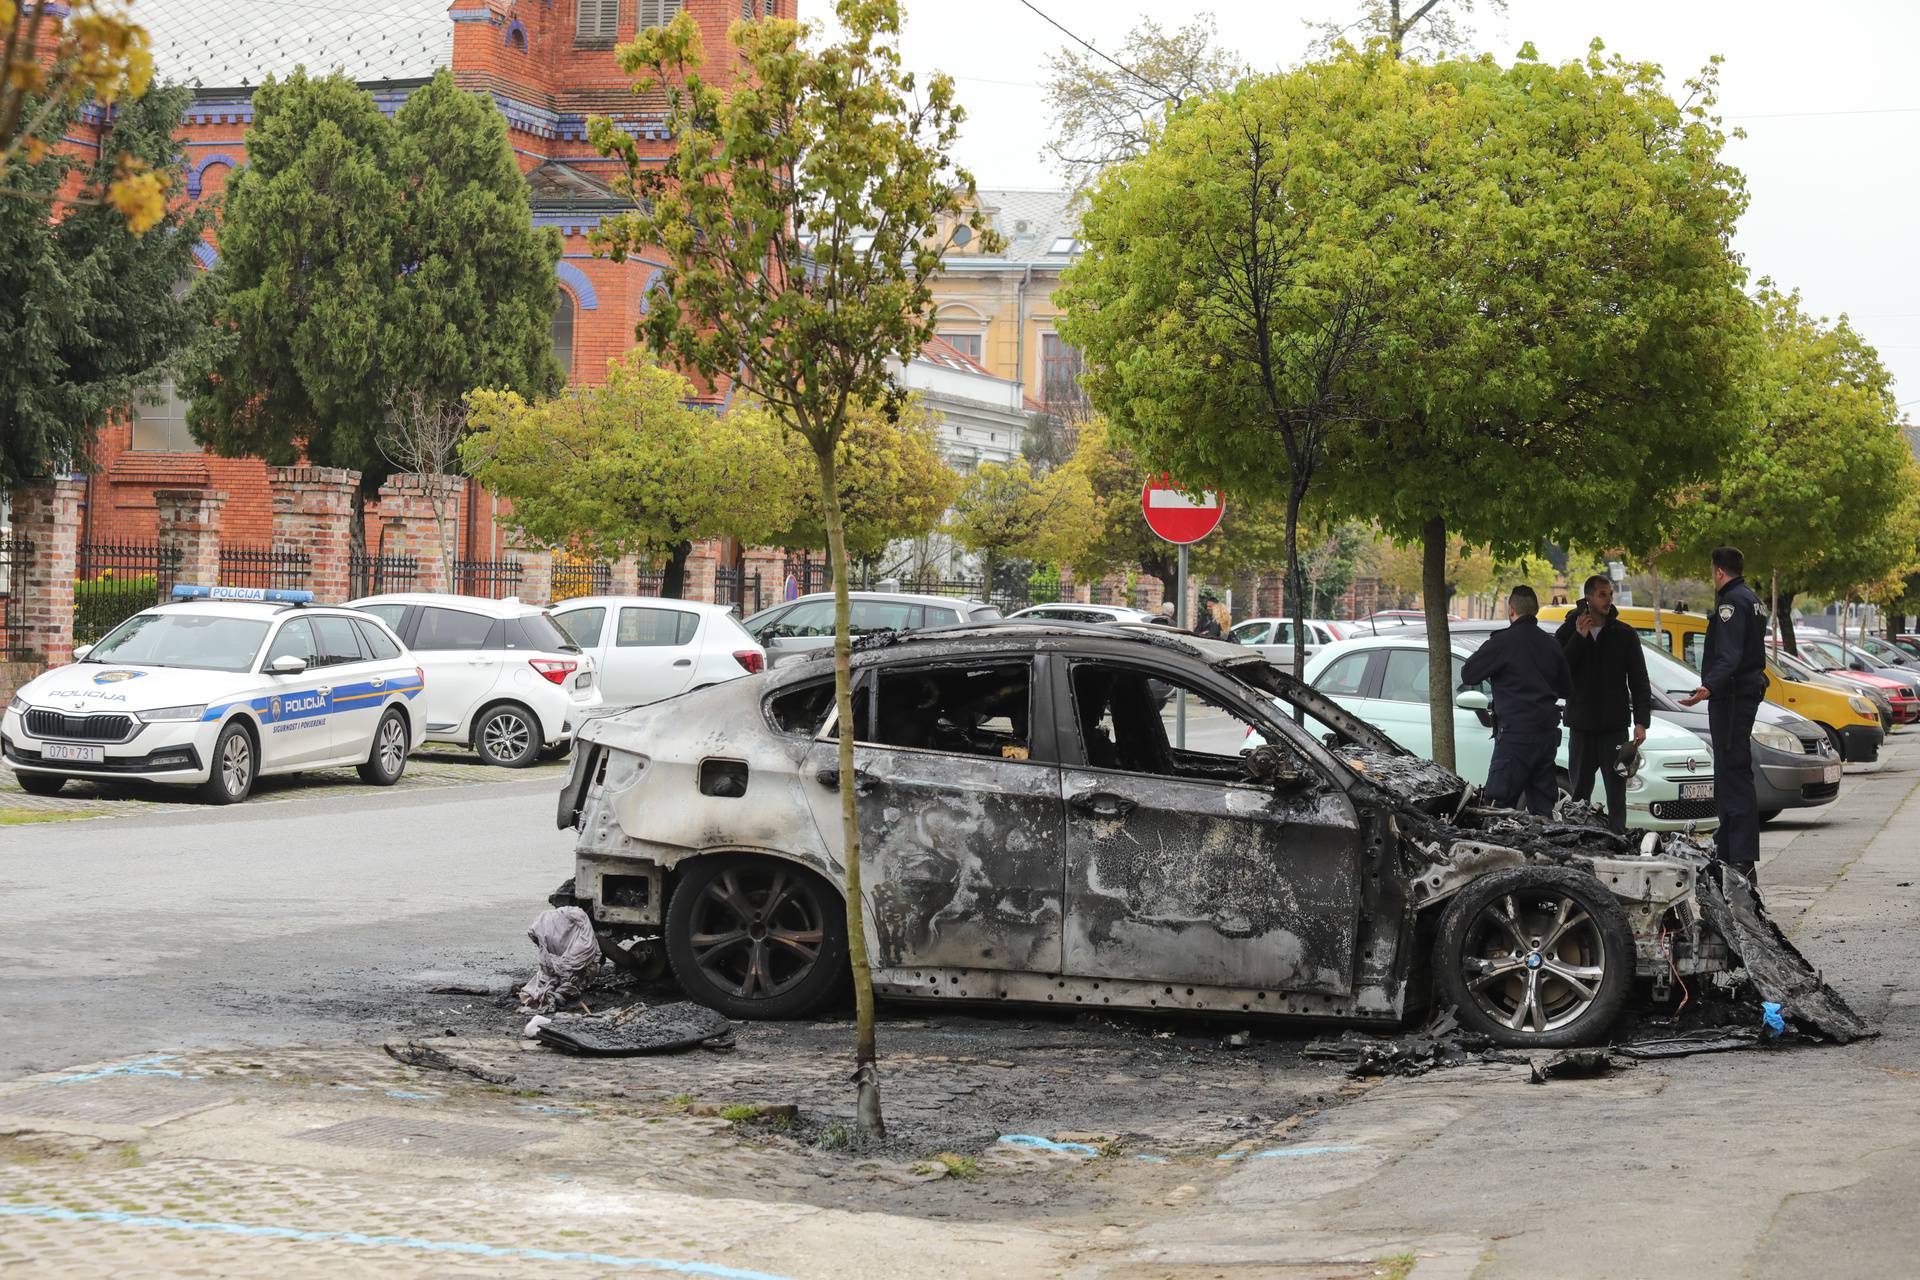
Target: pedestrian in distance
point(1733, 681)
point(1528, 672)
point(1207, 625)
point(1612, 701)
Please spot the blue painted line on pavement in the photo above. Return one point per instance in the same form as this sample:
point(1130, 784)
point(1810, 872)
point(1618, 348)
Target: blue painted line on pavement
point(1279, 1152)
point(51, 1213)
point(1048, 1144)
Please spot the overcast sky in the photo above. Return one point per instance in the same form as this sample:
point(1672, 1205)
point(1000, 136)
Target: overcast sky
point(1826, 94)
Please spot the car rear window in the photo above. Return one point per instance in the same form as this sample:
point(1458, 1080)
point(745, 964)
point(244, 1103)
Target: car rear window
point(1345, 677)
point(869, 616)
point(538, 631)
point(985, 613)
point(378, 643)
point(387, 613)
point(803, 709)
point(584, 625)
point(452, 629)
point(339, 642)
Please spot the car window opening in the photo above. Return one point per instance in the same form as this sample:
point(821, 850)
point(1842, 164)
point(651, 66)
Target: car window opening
point(802, 710)
point(973, 710)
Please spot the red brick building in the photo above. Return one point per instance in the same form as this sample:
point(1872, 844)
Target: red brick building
point(548, 64)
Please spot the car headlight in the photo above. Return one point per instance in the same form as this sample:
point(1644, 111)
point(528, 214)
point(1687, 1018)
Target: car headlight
point(1861, 705)
point(17, 703)
point(193, 712)
point(1772, 735)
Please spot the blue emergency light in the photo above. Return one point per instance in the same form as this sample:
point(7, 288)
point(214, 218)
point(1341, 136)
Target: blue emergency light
point(265, 595)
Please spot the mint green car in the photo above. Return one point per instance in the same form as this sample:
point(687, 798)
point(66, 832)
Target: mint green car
point(1383, 680)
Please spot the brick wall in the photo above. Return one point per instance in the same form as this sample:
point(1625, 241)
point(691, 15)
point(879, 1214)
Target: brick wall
point(416, 511)
point(313, 512)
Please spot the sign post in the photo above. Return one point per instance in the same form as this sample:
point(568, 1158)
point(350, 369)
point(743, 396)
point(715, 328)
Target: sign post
point(1183, 518)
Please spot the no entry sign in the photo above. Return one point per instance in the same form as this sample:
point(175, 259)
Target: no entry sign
point(1177, 515)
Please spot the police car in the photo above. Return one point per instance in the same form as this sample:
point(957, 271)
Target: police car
point(215, 688)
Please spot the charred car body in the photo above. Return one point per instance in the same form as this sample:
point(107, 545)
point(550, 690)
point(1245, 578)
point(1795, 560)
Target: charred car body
point(1040, 823)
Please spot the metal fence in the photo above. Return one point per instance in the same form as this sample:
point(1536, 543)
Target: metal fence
point(648, 582)
point(115, 580)
point(574, 578)
point(15, 555)
point(269, 567)
point(373, 575)
point(494, 579)
point(738, 588)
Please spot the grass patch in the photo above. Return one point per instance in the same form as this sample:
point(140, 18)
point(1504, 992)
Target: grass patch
point(837, 1138)
point(739, 1113)
point(1397, 1267)
point(681, 1100)
point(21, 817)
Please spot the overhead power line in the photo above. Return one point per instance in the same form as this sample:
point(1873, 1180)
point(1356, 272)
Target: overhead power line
point(1095, 51)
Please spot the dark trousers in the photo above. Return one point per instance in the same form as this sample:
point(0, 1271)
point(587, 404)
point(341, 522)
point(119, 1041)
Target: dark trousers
point(1521, 775)
point(1730, 723)
point(1591, 751)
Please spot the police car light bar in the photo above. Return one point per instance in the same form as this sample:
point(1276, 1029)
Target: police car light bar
point(264, 594)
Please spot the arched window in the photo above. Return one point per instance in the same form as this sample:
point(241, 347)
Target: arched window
point(563, 310)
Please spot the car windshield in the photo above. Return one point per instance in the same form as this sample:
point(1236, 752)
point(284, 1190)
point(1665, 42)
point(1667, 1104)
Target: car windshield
point(1792, 666)
point(1667, 673)
point(198, 642)
point(1879, 648)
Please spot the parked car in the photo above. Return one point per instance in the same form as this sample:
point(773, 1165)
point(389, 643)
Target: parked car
point(1887, 652)
point(1030, 834)
point(802, 625)
point(646, 648)
point(1383, 680)
point(1902, 682)
point(1072, 611)
point(1851, 717)
point(217, 688)
point(1273, 638)
point(1891, 698)
point(1789, 676)
point(1397, 618)
point(1908, 644)
point(502, 677)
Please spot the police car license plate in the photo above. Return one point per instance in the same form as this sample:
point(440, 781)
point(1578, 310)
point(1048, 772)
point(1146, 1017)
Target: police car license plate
point(80, 755)
point(1696, 791)
point(1833, 773)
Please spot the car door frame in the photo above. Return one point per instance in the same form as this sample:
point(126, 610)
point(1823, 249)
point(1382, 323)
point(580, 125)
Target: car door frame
point(293, 738)
point(1111, 931)
point(901, 891)
point(461, 729)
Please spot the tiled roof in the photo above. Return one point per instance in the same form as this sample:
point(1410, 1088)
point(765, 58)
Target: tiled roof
point(231, 44)
point(940, 351)
point(1037, 224)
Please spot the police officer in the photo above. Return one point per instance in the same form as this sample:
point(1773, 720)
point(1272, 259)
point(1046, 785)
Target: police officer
point(1529, 674)
point(1733, 680)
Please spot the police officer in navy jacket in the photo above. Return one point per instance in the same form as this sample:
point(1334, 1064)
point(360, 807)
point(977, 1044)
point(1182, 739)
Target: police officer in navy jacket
point(1733, 681)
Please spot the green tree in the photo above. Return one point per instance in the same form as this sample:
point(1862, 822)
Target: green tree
point(1570, 346)
point(364, 259)
point(1006, 513)
point(804, 209)
point(1821, 470)
point(893, 482)
point(89, 310)
point(631, 468)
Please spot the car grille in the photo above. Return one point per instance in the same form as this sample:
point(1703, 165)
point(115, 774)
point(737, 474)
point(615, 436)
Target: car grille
point(1812, 745)
point(1820, 791)
point(1683, 810)
point(43, 723)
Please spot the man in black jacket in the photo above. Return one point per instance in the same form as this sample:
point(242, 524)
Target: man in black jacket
point(1733, 674)
point(1529, 676)
point(1610, 698)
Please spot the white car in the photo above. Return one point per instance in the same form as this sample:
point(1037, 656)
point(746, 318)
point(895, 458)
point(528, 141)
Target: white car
point(1383, 680)
point(501, 675)
point(1273, 638)
point(217, 688)
point(1071, 611)
point(647, 648)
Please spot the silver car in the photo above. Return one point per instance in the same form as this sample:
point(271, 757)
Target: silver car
point(805, 624)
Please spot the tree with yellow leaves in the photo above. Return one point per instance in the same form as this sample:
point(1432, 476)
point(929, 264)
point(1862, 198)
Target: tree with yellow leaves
point(51, 64)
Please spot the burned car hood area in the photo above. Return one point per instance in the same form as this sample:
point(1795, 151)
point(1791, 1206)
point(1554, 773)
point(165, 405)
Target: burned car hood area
point(1101, 816)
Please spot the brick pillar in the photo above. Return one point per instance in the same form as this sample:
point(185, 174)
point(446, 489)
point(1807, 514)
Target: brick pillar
point(412, 526)
point(770, 565)
point(47, 514)
point(701, 565)
point(313, 512)
point(190, 523)
point(624, 578)
point(536, 571)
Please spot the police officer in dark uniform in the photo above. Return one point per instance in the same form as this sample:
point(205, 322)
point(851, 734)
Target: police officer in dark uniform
point(1733, 681)
point(1528, 672)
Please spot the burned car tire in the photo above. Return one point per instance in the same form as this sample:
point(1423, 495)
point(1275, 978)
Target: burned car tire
point(1535, 957)
point(756, 937)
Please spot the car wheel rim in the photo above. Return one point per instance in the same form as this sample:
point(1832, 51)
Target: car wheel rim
point(393, 747)
point(1534, 962)
point(236, 764)
point(756, 933)
point(507, 737)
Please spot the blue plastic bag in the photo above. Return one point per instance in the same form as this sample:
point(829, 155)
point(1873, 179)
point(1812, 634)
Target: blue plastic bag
point(1771, 1019)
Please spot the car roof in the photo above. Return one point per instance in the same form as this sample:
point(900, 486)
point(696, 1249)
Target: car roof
point(899, 597)
point(264, 610)
point(1001, 634)
point(472, 604)
point(651, 602)
point(1076, 604)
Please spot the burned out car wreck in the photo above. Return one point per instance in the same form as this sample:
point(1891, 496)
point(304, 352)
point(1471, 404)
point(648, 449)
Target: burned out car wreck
point(1069, 815)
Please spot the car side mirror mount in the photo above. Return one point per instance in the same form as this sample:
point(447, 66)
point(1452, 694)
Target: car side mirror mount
point(1276, 767)
point(287, 665)
point(1472, 700)
point(81, 651)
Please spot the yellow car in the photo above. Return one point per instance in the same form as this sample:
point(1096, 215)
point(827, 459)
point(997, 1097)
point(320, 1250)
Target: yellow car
point(1851, 723)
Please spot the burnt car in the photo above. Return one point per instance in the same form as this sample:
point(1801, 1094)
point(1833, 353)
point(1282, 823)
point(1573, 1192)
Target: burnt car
point(1037, 826)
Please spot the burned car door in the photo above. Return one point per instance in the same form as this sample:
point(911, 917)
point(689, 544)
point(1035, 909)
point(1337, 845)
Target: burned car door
point(1180, 866)
point(961, 826)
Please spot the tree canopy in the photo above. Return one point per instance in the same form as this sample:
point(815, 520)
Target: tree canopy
point(90, 311)
point(893, 482)
point(363, 258)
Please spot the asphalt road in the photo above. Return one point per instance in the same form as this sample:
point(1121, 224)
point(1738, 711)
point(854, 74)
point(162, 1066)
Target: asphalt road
point(260, 923)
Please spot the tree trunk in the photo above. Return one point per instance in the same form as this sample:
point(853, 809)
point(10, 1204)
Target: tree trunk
point(673, 579)
point(868, 1120)
point(1296, 591)
point(1433, 588)
point(1654, 569)
point(1785, 614)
